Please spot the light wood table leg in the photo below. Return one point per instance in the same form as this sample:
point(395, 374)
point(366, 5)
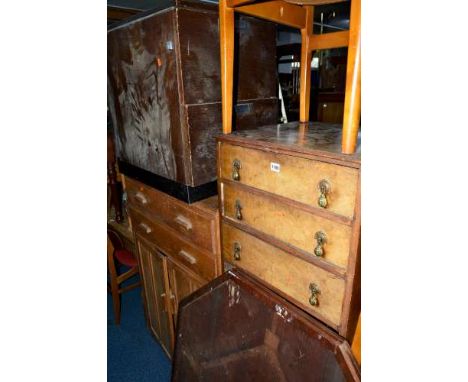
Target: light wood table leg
point(306, 57)
point(226, 29)
point(356, 346)
point(352, 106)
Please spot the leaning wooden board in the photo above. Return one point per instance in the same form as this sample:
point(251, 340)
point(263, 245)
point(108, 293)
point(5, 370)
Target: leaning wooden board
point(290, 206)
point(235, 329)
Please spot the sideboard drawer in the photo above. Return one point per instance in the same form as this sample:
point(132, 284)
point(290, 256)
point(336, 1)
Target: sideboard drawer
point(289, 224)
point(190, 221)
point(287, 273)
point(292, 177)
point(175, 246)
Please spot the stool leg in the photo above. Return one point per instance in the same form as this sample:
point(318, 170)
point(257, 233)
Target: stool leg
point(113, 281)
point(115, 301)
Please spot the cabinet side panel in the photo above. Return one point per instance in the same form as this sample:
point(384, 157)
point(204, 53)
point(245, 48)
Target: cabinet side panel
point(255, 65)
point(143, 95)
point(205, 124)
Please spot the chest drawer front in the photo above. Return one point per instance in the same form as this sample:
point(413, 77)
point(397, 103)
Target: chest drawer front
point(285, 272)
point(187, 220)
point(175, 246)
point(288, 224)
point(292, 177)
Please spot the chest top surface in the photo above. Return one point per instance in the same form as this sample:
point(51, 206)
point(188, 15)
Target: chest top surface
point(312, 138)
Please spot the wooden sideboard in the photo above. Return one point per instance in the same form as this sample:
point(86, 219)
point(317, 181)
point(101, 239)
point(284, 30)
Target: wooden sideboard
point(178, 249)
point(290, 205)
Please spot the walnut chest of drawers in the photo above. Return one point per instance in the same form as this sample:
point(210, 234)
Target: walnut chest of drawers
point(290, 206)
point(178, 249)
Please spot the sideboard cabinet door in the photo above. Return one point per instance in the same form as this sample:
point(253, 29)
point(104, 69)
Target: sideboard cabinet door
point(153, 270)
point(182, 283)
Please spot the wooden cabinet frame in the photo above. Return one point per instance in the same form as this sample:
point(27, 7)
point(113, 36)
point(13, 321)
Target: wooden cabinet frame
point(301, 17)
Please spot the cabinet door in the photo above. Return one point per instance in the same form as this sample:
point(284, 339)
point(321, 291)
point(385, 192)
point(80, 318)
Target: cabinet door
point(182, 283)
point(153, 271)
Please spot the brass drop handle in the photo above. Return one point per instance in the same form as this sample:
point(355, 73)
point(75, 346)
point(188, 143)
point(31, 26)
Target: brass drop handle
point(324, 188)
point(236, 166)
point(237, 251)
point(321, 240)
point(238, 210)
point(315, 291)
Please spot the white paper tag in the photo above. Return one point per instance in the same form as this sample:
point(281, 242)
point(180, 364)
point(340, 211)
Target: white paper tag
point(275, 167)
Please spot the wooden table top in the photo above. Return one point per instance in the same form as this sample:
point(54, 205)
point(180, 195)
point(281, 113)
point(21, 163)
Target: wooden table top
point(312, 138)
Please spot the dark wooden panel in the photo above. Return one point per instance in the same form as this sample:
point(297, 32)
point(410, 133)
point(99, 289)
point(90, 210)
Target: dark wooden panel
point(235, 329)
point(256, 59)
point(205, 124)
point(199, 54)
point(259, 112)
point(144, 95)
point(162, 66)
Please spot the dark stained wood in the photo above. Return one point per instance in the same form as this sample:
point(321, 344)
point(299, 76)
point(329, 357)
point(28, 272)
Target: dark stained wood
point(164, 87)
point(118, 13)
point(144, 95)
point(205, 125)
point(236, 329)
point(115, 187)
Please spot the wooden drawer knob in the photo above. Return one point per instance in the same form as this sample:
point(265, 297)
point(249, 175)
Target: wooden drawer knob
point(238, 208)
point(183, 222)
point(324, 188)
point(321, 240)
point(236, 166)
point(141, 197)
point(314, 291)
point(188, 257)
point(237, 251)
point(145, 227)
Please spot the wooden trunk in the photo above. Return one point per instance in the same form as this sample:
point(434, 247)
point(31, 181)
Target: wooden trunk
point(234, 329)
point(279, 225)
point(164, 88)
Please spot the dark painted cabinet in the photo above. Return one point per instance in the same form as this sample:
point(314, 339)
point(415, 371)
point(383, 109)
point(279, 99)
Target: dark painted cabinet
point(165, 90)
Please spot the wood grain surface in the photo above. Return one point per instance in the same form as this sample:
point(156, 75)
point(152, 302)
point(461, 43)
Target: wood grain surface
point(289, 224)
point(287, 273)
point(153, 270)
point(297, 178)
point(175, 246)
point(195, 222)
